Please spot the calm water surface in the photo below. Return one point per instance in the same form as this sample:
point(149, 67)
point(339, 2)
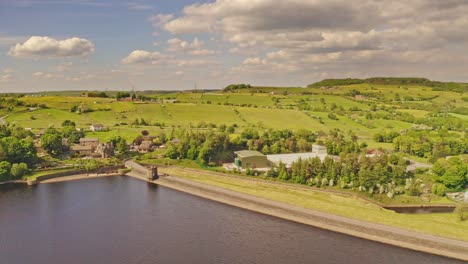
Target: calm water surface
point(123, 220)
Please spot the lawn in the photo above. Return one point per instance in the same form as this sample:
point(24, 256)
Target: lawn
point(279, 119)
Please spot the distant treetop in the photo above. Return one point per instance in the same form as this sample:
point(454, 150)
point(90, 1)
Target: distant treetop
point(451, 86)
point(233, 87)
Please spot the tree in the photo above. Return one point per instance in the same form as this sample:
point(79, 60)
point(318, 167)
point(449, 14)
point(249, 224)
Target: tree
point(72, 134)
point(19, 150)
point(121, 146)
point(456, 177)
point(68, 123)
point(18, 170)
point(91, 165)
point(5, 168)
point(51, 141)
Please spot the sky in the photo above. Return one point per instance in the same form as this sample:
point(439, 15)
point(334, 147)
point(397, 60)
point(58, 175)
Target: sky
point(185, 44)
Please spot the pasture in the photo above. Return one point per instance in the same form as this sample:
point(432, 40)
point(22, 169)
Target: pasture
point(259, 107)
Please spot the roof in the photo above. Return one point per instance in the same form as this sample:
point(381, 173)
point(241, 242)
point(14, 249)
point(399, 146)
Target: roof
point(248, 153)
point(319, 146)
point(88, 139)
point(288, 159)
point(79, 147)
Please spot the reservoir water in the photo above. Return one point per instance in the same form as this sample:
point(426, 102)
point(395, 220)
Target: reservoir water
point(123, 220)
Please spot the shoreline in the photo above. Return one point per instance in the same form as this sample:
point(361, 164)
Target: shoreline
point(452, 248)
point(79, 177)
point(457, 249)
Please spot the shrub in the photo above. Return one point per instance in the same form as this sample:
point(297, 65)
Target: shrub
point(462, 211)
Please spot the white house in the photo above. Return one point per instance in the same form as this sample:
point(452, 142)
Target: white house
point(97, 127)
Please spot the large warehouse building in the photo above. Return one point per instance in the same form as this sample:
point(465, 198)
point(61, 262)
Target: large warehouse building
point(251, 159)
point(288, 159)
point(256, 160)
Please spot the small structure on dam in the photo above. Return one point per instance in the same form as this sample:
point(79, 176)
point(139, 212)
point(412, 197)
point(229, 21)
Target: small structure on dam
point(149, 173)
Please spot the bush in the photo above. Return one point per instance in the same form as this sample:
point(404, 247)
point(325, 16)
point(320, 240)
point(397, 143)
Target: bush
point(438, 189)
point(462, 211)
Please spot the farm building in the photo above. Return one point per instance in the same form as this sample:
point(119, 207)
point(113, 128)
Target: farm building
point(145, 146)
point(82, 150)
point(97, 127)
point(89, 142)
point(317, 149)
point(288, 159)
point(250, 159)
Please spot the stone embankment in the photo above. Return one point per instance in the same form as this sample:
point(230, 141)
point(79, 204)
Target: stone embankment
point(376, 232)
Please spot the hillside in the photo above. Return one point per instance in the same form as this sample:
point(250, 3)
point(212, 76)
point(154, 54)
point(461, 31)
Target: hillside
point(450, 86)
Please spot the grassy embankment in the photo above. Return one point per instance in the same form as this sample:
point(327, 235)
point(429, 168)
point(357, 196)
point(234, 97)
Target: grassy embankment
point(446, 224)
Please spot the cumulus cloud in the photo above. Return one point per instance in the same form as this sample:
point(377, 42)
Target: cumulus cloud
point(43, 75)
point(306, 33)
point(37, 46)
point(160, 19)
point(6, 77)
point(193, 48)
point(143, 57)
point(139, 6)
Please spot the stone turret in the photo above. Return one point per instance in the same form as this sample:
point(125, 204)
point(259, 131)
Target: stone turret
point(152, 173)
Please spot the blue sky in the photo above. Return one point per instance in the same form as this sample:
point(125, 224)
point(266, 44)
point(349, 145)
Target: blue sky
point(65, 44)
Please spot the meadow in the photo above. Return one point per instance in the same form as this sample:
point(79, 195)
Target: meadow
point(258, 107)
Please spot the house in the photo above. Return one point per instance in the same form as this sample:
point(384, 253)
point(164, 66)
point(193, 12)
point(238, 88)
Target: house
point(82, 150)
point(97, 127)
point(145, 146)
point(40, 133)
point(319, 150)
point(39, 149)
point(250, 159)
point(373, 153)
point(93, 142)
point(105, 150)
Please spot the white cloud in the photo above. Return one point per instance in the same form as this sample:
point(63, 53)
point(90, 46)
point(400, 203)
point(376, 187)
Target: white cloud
point(160, 19)
point(143, 57)
point(37, 46)
point(139, 6)
point(6, 77)
point(8, 40)
point(193, 48)
point(43, 75)
point(302, 33)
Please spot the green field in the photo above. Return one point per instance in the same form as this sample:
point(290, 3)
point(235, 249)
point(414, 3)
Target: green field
point(259, 107)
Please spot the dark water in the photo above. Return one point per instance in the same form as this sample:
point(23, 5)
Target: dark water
point(421, 210)
point(123, 220)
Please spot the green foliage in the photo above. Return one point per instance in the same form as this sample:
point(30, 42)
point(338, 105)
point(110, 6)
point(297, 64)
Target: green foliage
point(233, 87)
point(5, 168)
point(121, 146)
point(332, 116)
point(120, 95)
point(18, 150)
point(18, 170)
point(97, 94)
point(386, 137)
point(438, 189)
point(462, 211)
point(72, 134)
point(68, 123)
point(51, 141)
point(453, 173)
point(336, 82)
point(438, 86)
